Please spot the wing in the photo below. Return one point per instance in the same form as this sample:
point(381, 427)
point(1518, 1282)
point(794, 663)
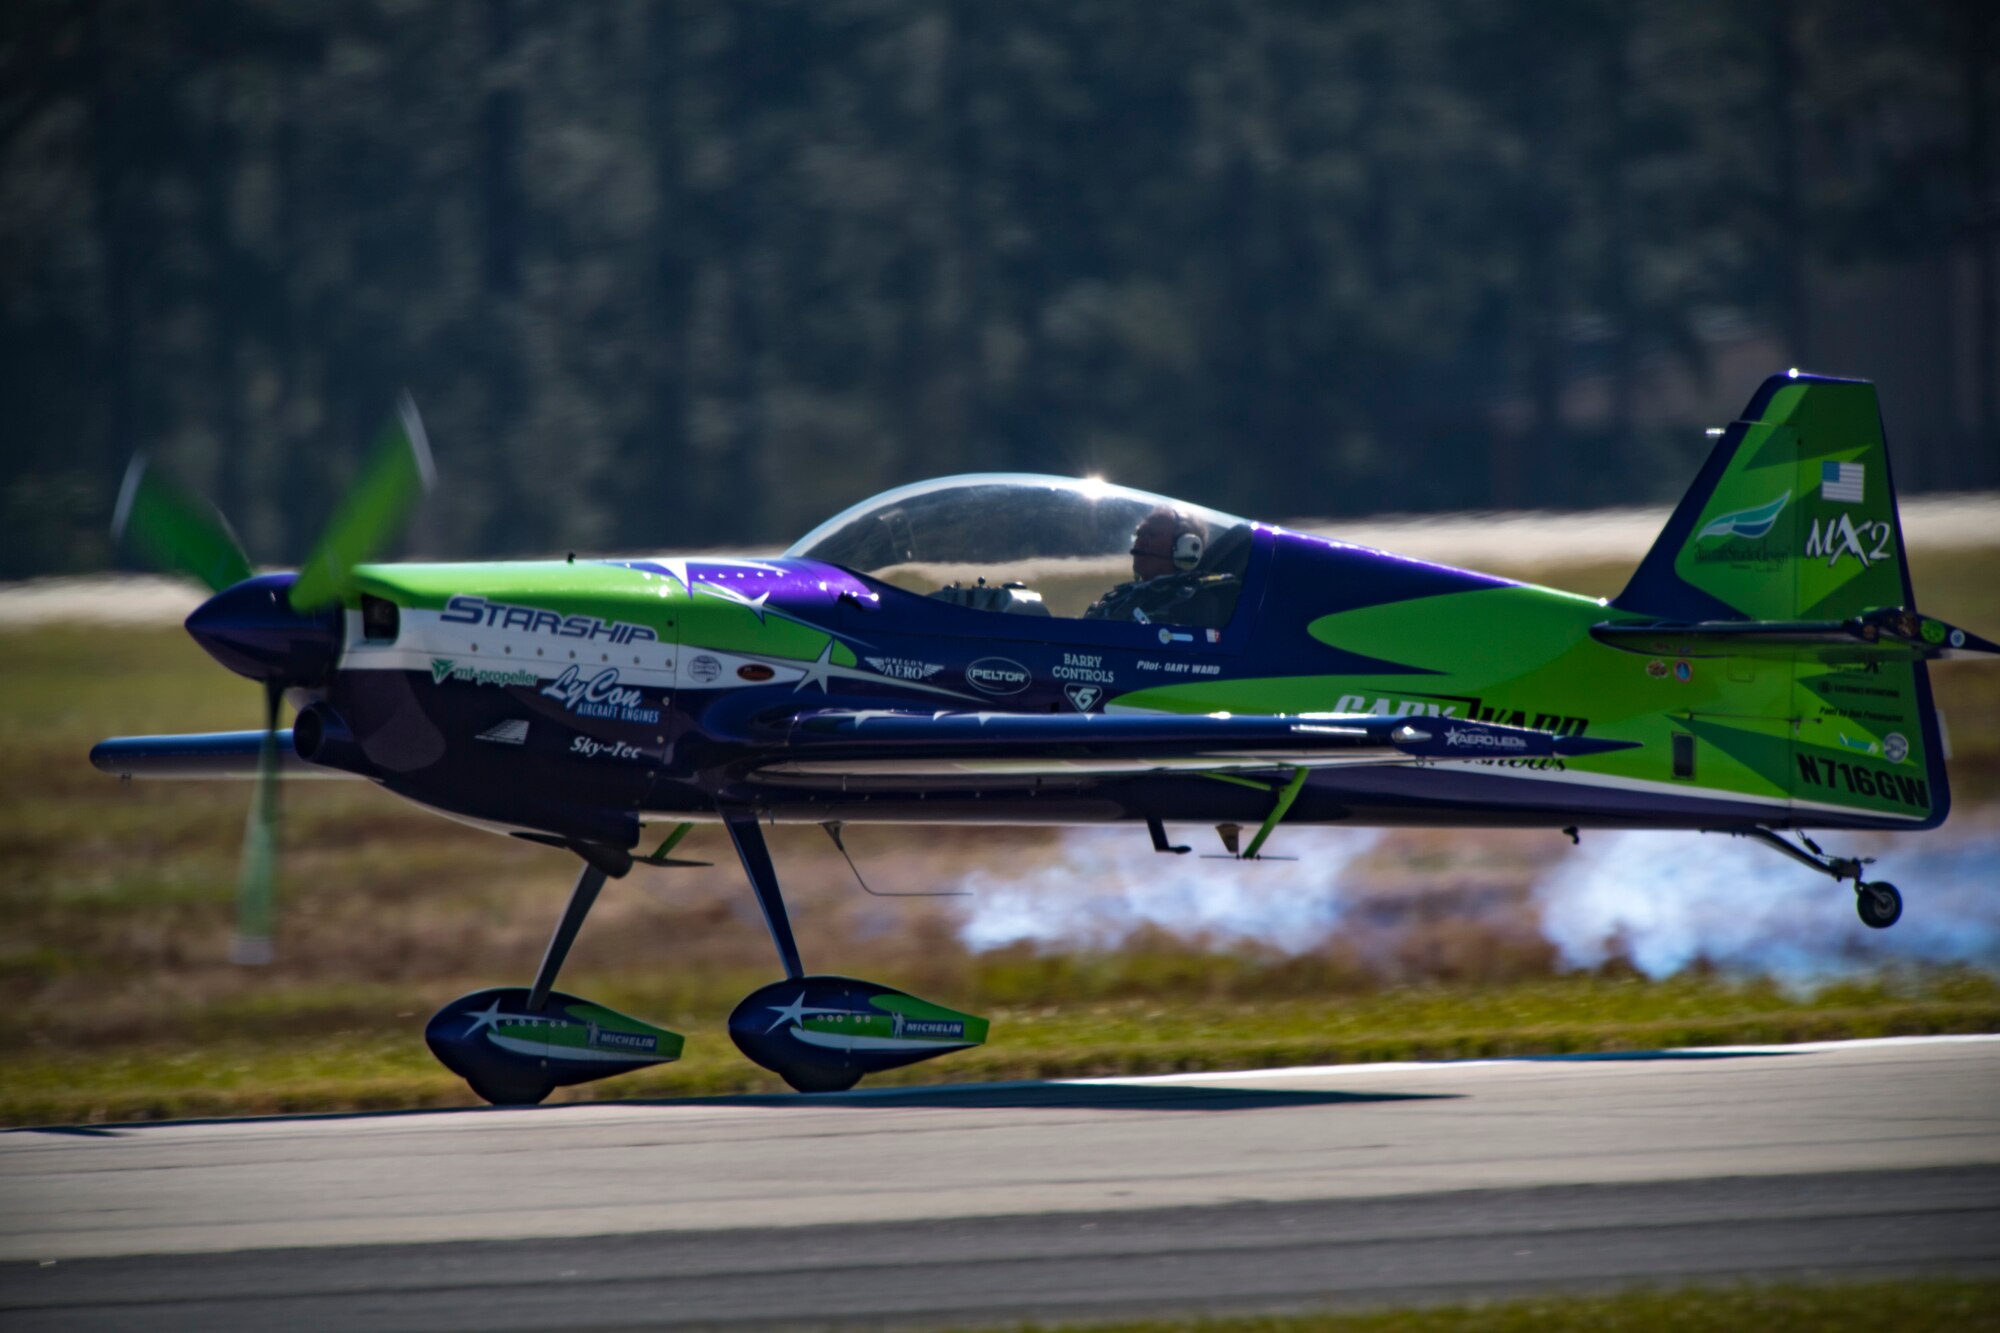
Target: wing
point(212, 754)
point(816, 745)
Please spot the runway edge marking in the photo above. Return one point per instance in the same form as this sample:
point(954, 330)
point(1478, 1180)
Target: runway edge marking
point(1408, 1066)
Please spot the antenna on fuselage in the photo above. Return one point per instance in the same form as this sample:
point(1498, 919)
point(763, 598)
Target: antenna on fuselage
point(832, 827)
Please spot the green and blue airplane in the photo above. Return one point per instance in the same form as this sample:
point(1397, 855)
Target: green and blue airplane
point(1009, 649)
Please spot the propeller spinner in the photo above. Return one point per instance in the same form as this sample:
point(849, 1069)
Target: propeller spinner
point(282, 630)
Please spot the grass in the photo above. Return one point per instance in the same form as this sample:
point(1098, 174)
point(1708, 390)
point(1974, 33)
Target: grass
point(356, 1047)
point(115, 921)
point(1926, 1305)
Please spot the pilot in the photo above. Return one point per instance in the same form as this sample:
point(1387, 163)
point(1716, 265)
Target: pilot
point(1167, 548)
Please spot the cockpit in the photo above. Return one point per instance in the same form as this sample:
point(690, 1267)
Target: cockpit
point(1019, 544)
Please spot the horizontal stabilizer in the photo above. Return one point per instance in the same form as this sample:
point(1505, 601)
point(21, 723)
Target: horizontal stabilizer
point(1890, 635)
point(211, 754)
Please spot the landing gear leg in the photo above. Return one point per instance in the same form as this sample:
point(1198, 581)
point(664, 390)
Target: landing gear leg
point(581, 899)
point(1879, 904)
point(823, 1033)
point(515, 1045)
point(756, 857)
point(520, 1088)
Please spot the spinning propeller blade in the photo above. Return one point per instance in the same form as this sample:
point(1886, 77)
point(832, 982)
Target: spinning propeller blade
point(180, 533)
point(177, 531)
point(396, 476)
point(257, 875)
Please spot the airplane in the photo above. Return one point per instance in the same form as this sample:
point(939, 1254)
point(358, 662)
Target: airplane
point(1015, 649)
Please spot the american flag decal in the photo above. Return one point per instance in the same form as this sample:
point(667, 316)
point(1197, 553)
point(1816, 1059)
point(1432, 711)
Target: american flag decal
point(1840, 481)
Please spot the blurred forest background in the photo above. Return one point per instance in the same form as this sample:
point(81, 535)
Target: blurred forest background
point(672, 275)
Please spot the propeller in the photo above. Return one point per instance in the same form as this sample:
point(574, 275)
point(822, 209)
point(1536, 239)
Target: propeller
point(177, 532)
point(397, 474)
point(256, 876)
point(274, 628)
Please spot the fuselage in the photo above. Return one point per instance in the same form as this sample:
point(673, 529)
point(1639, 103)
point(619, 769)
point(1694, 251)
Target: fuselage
point(586, 698)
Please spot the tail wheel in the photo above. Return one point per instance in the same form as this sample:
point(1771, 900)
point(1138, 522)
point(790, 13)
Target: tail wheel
point(1879, 904)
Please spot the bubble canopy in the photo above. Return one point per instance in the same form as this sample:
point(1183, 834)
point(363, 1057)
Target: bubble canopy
point(1038, 545)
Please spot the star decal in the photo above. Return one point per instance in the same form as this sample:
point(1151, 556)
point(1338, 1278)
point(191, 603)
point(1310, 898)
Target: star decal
point(798, 1011)
point(490, 1017)
point(824, 670)
point(817, 672)
point(755, 605)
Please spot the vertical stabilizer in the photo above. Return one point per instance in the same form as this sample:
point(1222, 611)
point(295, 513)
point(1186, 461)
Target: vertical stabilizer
point(1793, 519)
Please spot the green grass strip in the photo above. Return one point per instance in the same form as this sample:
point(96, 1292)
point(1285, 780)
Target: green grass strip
point(1926, 1305)
point(238, 1059)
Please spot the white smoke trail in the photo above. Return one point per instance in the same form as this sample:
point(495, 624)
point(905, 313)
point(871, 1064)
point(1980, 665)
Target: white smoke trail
point(1105, 884)
point(1667, 899)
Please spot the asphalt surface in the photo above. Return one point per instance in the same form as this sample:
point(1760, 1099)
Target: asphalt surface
point(1367, 1185)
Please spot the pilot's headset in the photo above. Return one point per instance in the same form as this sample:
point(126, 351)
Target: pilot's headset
point(1172, 539)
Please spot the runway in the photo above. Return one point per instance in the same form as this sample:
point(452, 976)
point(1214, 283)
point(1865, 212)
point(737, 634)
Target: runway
point(1271, 1189)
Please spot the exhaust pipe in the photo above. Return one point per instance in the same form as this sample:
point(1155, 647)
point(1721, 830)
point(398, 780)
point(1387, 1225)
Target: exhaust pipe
point(320, 736)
